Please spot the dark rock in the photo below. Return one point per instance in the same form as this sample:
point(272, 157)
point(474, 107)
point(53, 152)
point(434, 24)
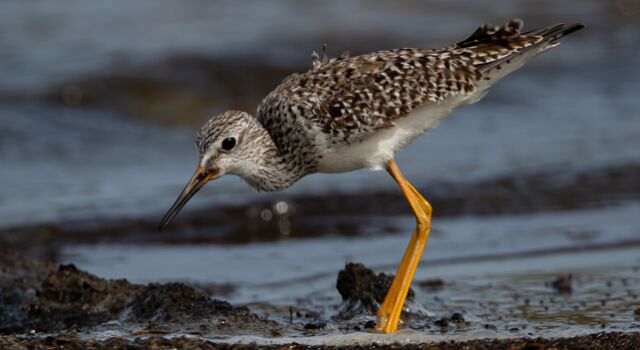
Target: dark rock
point(363, 290)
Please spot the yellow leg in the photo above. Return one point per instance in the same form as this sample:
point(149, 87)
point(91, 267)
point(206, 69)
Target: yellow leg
point(426, 207)
point(389, 313)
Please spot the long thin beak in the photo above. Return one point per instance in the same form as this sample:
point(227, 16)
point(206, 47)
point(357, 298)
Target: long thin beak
point(199, 179)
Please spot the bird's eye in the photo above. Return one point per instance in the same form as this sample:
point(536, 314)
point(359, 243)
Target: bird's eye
point(228, 143)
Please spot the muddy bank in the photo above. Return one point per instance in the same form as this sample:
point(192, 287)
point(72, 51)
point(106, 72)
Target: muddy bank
point(600, 341)
point(278, 217)
point(363, 291)
point(40, 297)
point(45, 304)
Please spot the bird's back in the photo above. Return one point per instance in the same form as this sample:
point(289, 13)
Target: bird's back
point(349, 99)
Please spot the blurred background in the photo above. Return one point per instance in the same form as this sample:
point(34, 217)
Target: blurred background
point(100, 102)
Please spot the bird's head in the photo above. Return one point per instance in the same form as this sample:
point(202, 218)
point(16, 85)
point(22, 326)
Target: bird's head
point(229, 143)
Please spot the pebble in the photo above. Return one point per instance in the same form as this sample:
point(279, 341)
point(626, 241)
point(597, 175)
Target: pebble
point(457, 317)
point(315, 325)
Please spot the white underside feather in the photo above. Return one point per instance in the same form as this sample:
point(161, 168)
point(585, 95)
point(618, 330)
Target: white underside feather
point(375, 151)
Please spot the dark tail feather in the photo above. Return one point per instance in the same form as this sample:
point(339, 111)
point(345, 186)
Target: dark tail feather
point(550, 38)
point(555, 29)
point(563, 31)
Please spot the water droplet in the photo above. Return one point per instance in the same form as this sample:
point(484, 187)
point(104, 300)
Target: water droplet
point(281, 207)
point(266, 215)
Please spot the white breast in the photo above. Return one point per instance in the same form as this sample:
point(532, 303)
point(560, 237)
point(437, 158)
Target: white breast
point(376, 150)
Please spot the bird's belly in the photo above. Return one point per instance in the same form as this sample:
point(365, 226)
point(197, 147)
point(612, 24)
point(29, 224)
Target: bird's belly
point(377, 149)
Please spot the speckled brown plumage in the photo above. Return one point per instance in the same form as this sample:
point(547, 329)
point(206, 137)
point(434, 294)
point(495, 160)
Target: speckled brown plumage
point(348, 97)
point(314, 121)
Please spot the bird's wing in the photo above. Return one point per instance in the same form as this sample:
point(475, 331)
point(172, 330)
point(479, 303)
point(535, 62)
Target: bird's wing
point(349, 97)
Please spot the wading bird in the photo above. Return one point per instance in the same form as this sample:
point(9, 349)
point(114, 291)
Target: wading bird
point(356, 112)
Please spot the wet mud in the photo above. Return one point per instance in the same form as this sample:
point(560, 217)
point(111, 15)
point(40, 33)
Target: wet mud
point(601, 341)
point(49, 306)
point(362, 290)
point(41, 298)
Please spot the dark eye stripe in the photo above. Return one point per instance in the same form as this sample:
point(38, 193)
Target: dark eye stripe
point(228, 143)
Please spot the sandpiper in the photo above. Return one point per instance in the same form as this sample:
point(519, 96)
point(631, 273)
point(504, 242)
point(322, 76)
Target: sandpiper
point(349, 113)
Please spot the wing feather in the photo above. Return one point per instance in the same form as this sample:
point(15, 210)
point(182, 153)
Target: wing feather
point(349, 97)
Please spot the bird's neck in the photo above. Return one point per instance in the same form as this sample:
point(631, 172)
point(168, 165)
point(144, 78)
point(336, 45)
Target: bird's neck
point(275, 168)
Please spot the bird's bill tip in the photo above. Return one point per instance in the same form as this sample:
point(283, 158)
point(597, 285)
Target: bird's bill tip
point(197, 181)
